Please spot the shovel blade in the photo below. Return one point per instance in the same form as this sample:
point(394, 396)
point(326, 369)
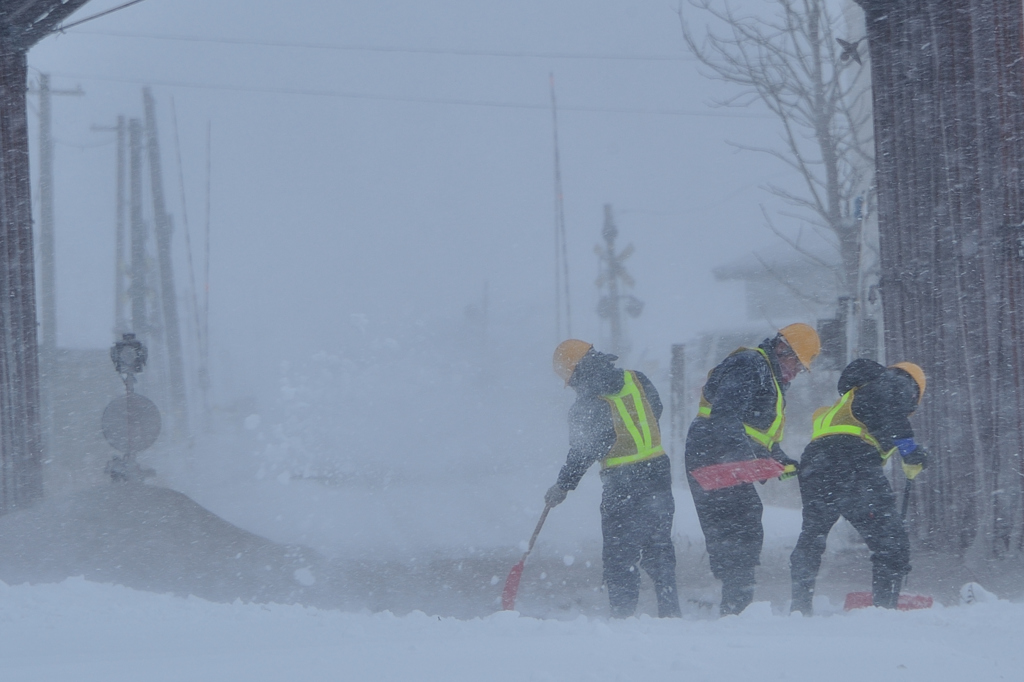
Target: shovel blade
point(907, 602)
point(508, 595)
point(728, 474)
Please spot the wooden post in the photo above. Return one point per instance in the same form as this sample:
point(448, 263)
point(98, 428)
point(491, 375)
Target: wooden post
point(22, 24)
point(20, 434)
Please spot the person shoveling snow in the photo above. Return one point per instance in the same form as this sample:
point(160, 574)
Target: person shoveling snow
point(841, 475)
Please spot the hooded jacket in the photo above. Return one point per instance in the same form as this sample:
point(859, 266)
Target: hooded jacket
point(741, 390)
point(591, 428)
point(884, 400)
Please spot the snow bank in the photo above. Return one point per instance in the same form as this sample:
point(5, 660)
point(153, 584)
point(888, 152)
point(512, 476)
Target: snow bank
point(77, 630)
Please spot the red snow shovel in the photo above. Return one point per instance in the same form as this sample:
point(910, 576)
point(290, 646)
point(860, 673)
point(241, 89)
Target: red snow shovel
point(728, 474)
point(508, 595)
point(906, 602)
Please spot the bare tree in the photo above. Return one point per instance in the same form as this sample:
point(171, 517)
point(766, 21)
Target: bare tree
point(817, 86)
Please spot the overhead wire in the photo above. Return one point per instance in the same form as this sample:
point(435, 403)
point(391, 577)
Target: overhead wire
point(64, 27)
point(340, 94)
point(522, 54)
point(514, 54)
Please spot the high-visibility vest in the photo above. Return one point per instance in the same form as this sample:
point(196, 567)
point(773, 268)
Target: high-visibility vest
point(637, 436)
point(838, 420)
point(773, 434)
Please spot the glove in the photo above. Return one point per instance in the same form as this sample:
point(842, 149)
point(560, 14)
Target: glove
point(555, 496)
point(789, 470)
point(915, 462)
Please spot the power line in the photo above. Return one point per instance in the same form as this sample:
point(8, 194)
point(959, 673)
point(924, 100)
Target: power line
point(63, 27)
point(608, 56)
point(340, 94)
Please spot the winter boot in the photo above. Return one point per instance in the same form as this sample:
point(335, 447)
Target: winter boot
point(735, 598)
point(803, 597)
point(885, 589)
point(668, 601)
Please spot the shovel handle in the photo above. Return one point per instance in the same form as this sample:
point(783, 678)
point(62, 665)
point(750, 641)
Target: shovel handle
point(906, 499)
point(508, 595)
point(536, 531)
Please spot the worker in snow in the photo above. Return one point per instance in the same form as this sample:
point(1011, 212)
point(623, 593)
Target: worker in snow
point(733, 442)
point(615, 420)
point(841, 475)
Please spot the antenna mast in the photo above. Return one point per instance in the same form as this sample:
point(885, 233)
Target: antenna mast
point(561, 251)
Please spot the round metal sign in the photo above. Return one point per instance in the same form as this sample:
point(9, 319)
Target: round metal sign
point(131, 423)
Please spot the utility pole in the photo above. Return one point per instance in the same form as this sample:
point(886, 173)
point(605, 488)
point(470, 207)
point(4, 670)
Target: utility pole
point(613, 273)
point(47, 249)
point(168, 294)
point(562, 301)
point(120, 265)
point(47, 238)
point(204, 348)
point(137, 277)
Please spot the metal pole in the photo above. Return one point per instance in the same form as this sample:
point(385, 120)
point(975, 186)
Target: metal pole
point(48, 370)
point(137, 280)
point(120, 265)
point(610, 232)
point(561, 247)
point(168, 294)
point(204, 350)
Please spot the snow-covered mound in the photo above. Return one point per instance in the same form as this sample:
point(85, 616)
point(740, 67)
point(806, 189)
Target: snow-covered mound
point(153, 539)
point(88, 632)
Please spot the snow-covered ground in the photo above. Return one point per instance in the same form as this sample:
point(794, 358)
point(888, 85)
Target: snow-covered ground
point(83, 631)
point(404, 560)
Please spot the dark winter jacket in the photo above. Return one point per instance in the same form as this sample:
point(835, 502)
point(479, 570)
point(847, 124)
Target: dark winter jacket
point(884, 400)
point(741, 391)
point(592, 431)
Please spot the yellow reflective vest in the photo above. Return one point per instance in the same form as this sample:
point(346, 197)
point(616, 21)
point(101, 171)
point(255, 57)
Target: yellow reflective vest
point(838, 420)
point(637, 436)
point(773, 434)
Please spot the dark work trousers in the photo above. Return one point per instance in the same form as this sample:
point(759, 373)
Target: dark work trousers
point(731, 521)
point(636, 521)
point(856, 489)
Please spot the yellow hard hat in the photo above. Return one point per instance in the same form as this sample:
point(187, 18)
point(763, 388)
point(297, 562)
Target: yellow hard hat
point(803, 340)
point(567, 356)
point(916, 373)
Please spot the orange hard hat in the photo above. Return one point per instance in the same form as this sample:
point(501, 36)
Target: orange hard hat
point(567, 356)
point(803, 340)
point(916, 373)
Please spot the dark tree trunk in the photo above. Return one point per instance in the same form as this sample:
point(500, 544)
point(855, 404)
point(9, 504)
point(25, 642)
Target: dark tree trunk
point(948, 79)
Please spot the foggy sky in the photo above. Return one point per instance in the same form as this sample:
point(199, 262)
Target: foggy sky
point(325, 207)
